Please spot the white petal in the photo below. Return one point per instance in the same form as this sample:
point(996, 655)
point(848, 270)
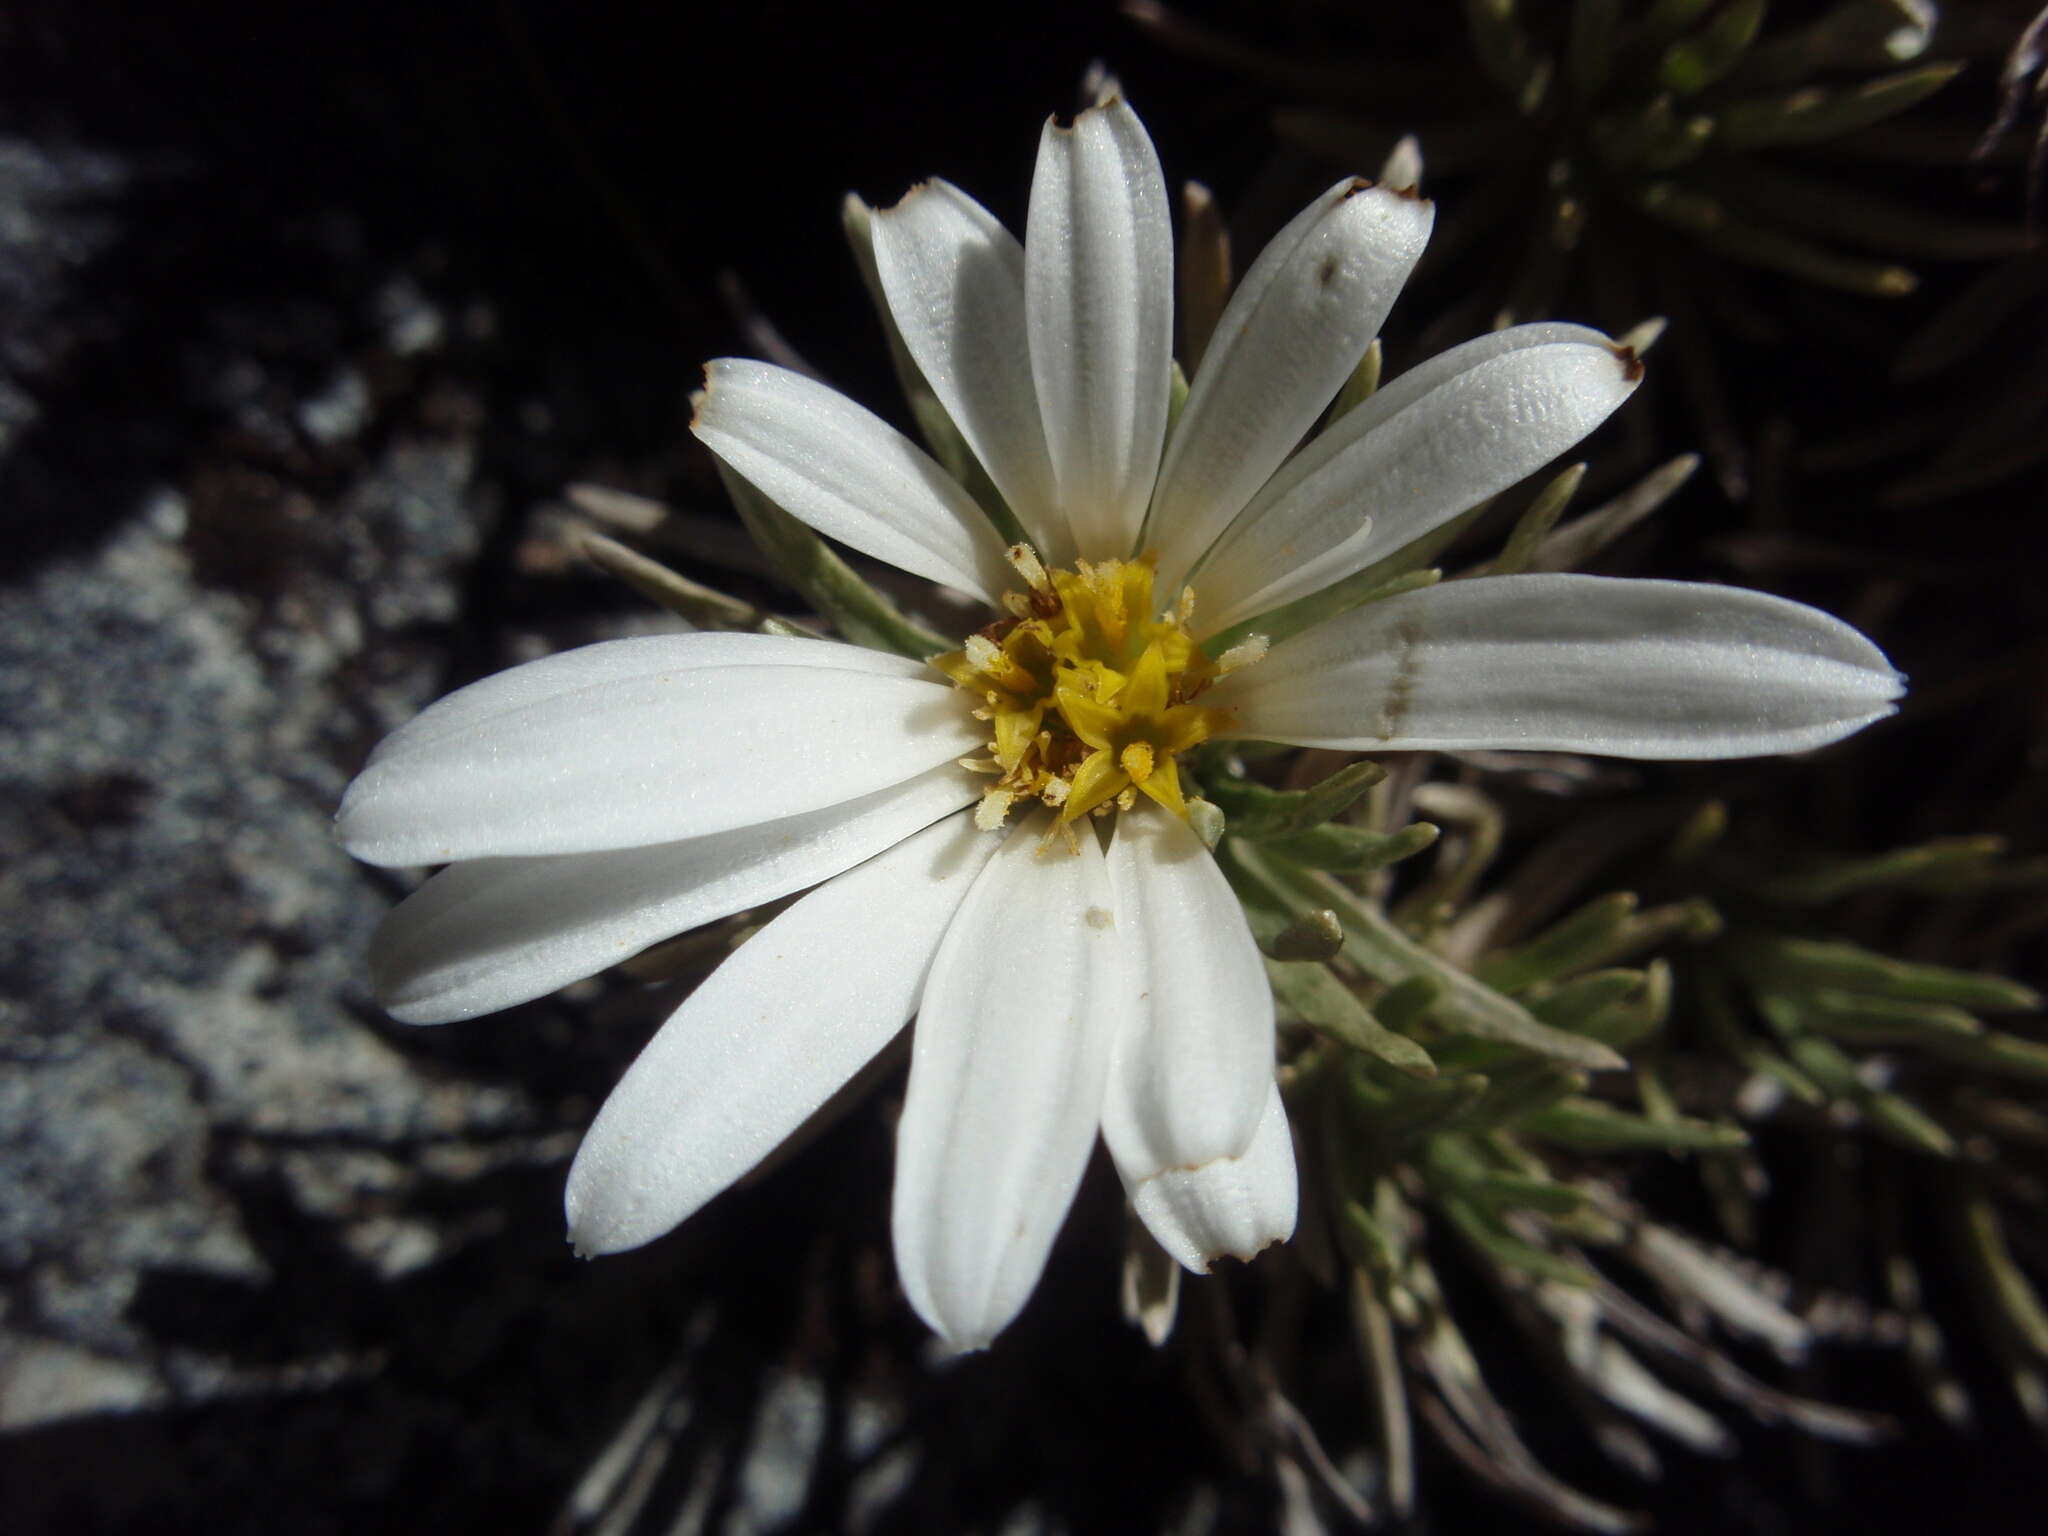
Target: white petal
point(1098, 300)
point(1194, 1052)
point(849, 474)
point(1658, 669)
point(491, 698)
point(1480, 418)
point(619, 749)
point(1291, 335)
point(1235, 1205)
point(954, 278)
point(795, 1012)
point(489, 933)
point(1006, 1072)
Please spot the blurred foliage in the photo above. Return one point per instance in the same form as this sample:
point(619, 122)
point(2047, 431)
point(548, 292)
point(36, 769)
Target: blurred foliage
point(1610, 159)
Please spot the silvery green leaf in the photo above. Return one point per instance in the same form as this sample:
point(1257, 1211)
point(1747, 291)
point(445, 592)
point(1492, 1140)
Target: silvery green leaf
point(1588, 1125)
point(1261, 813)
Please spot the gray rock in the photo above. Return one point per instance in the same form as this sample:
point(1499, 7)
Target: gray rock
point(182, 1014)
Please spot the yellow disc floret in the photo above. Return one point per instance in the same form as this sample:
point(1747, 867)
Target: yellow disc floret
point(1090, 692)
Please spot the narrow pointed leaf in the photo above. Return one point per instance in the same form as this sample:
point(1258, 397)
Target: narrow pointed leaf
point(1573, 944)
point(1314, 992)
point(1353, 850)
point(1382, 951)
point(1700, 214)
point(1823, 963)
point(1260, 813)
point(1587, 1125)
point(1815, 114)
point(1694, 63)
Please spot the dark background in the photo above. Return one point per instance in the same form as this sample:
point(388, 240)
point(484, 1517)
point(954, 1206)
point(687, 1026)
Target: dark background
point(310, 315)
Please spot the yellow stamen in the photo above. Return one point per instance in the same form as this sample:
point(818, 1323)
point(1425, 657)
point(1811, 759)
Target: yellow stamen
point(1090, 690)
point(1248, 652)
point(995, 805)
point(1027, 564)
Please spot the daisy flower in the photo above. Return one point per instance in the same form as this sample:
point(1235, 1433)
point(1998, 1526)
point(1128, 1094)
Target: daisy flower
point(998, 836)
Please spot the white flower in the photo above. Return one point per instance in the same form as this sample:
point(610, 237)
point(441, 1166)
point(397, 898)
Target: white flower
point(1064, 983)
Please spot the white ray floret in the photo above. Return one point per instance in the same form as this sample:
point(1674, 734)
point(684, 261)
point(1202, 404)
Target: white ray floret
point(1232, 1207)
point(954, 278)
point(1006, 1075)
point(1651, 669)
point(634, 745)
point(1290, 336)
point(488, 933)
point(1194, 1049)
point(1098, 304)
point(849, 474)
point(798, 1009)
point(1418, 453)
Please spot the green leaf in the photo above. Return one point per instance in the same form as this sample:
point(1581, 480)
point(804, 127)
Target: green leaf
point(1565, 947)
point(1620, 1007)
point(1654, 137)
point(1410, 1005)
point(1571, 546)
point(1815, 114)
point(1259, 813)
point(1477, 829)
point(827, 583)
point(1534, 525)
point(1862, 1019)
point(1892, 1116)
point(1204, 267)
point(703, 606)
point(1655, 1095)
point(1516, 1091)
point(1704, 828)
point(1546, 1197)
point(1570, 1005)
point(1383, 952)
point(1353, 850)
point(1706, 217)
point(1314, 992)
point(1692, 64)
point(1372, 1324)
point(1902, 867)
point(1176, 398)
point(1494, 1242)
point(1507, 54)
point(1850, 35)
point(2018, 1303)
point(1588, 1125)
point(1313, 935)
point(1363, 384)
point(1724, 1027)
point(1821, 208)
point(1394, 1114)
point(1995, 1052)
point(1809, 963)
point(1367, 1243)
point(1601, 932)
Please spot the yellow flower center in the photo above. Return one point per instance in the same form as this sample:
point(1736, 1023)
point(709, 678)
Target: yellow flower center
point(1089, 694)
